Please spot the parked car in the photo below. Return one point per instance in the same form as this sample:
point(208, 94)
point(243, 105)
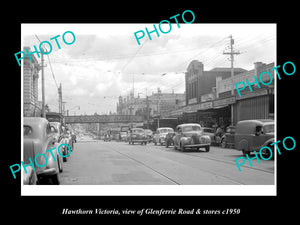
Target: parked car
point(211, 133)
point(227, 140)
point(190, 135)
point(252, 135)
point(68, 139)
point(30, 177)
point(38, 139)
point(137, 135)
point(123, 135)
point(57, 131)
point(73, 135)
point(160, 135)
point(149, 134)
point(169, 139)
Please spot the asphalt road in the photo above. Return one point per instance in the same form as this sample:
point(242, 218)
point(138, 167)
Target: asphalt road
point(118, 163)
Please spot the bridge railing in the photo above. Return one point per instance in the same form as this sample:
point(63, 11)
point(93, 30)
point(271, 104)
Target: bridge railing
point(103, 119)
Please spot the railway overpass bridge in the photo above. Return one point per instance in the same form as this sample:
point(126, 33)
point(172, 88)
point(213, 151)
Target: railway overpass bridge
point(104, 119)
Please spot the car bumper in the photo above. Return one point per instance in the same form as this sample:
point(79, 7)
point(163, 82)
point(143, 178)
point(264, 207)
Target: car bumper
point(196, 145)
point(47, 172)
point(138, 140)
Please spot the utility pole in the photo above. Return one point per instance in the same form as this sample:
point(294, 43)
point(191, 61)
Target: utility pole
point(232, 52)
point(131, 122)
point(43, 85)
point(60, 99)
point(147, 106)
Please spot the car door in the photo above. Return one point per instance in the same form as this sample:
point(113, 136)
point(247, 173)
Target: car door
point(258, 139)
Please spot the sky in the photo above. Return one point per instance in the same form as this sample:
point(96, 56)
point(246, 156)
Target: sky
point(105, 61)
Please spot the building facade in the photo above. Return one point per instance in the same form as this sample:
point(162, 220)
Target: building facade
point(31, 105)
point(255, 104)
point(200, 85)
point(158, 104)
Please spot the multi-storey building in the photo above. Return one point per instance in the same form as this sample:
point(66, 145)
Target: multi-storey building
point(31, 106)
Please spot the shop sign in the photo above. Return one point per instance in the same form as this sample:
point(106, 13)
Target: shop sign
point(205, 105)
point(253, 94)
point(224, 102)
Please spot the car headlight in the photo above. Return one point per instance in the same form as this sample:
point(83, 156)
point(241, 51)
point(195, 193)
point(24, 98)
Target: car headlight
point(205, 139)
point(186, 139)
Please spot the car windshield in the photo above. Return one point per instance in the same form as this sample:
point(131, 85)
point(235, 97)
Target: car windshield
point(166, 130)
point(269, 128)
point(137, 131)
point(208, 130)
point(191, 128)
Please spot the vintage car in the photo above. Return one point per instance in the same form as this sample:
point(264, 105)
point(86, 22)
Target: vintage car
point(149, 135)
point(190, 135)
point(160, 135)
point(169, 139)
point(30, 177)
point(123, 135)
point(252, 135)
point(38, 139)
point(68, 139)
point(211, 133)
point(58, 134)
point(137, 135)
point(227, 139)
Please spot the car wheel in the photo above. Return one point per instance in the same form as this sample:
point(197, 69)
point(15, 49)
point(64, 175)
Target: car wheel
point(155, 143)
point(145, 142)
point(60, 168)
point(132, 143)
point(55, 179)
point(167, 145)
point(207, 148)
point(244, 152)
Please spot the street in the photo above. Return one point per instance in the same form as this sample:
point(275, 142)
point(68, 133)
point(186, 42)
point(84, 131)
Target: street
point(95, 162)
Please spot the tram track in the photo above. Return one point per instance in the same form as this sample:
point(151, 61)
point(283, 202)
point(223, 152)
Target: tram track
point(143, 164)
point(223, 161)
point(168, 177)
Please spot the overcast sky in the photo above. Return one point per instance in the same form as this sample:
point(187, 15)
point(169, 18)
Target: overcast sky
point(105, 58)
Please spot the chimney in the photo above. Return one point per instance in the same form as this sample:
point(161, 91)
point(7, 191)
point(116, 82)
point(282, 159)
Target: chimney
point(257, 66)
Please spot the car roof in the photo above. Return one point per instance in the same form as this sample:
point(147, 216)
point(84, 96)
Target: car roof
point(38, 124)
point(160, 128)
point(258, 121)
point(34, 121)
point(188, 124)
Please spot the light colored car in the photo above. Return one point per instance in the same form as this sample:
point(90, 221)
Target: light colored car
point(160, 135)
point(123, 135)
point(190, 135)
point(37, 140)
point(58, 133)
point(211, 133)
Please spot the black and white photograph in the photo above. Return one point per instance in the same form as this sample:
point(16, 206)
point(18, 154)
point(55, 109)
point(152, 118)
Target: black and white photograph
point(149, 109)
point(144, 110)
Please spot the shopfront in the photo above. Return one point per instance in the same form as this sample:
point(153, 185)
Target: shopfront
point(254, 105)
